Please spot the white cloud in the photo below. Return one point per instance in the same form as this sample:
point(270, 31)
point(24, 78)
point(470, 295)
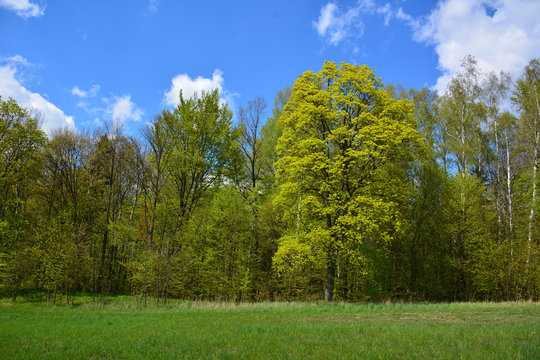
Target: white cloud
point(506, 40)
point(326, 19)
point(500, 34)
point(92, 92)
point(191, 86)
point(78, 92)
point(10, 86)
point(23, 8)
point(121, 109)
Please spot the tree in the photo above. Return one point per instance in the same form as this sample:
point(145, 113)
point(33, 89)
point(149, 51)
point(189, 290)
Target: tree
point(21, 141)
point(155, 176)
point(421, 258)
point(251, 145)
point(67, 209)
point(271, 132)
point(527, 99)
point(427, 248)
point(64, 176)
point(113, 169)
point(251, 119)
point(342, 135)
point(227, 251)
point(462, 115)
point(204, 144)
point(494, 92)
point(159, 140)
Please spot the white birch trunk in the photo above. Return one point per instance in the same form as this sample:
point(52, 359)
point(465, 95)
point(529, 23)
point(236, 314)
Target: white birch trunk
point(498, 185)
point(535, 168)
point(509, 194)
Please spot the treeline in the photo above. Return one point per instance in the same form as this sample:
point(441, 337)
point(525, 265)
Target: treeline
point(349, 190)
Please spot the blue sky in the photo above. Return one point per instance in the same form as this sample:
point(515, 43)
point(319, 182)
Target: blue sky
point(80, 63)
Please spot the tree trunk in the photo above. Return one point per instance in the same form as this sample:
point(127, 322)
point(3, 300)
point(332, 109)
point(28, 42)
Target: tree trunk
point(498, 183)
point(533, 201)
point(298, 215)
point(107, 220)
point(535, 169)
point(330, 275)
point(509, 193)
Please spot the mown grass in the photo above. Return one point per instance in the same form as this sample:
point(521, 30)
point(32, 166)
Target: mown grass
point(119, 329)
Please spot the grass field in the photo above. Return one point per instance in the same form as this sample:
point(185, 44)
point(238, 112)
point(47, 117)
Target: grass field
point(192, 330)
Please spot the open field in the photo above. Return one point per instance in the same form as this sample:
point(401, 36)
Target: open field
point(120, 330)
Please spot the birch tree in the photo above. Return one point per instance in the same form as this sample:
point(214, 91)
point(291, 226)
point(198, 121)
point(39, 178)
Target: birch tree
point(526, 98)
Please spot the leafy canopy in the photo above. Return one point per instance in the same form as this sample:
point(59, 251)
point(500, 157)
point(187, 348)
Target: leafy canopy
point(345, 143)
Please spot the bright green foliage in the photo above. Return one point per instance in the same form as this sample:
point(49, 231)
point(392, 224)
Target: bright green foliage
point(299, 267)
point(342, 146)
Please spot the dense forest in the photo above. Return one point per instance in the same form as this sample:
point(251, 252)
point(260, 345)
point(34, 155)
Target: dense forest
point(351, 190)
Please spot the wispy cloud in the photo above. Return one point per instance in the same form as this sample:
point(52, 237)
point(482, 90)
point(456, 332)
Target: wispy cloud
point(118, 109)
point(153, 6)
point(336, 25)
point(92, 92)
point(341, 24)
point(15, 59)
point(23, 8)
point(387, 12)
point(11, 85)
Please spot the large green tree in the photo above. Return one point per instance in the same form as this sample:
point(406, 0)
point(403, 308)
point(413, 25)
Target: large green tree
point(203, 143)
point(20, 143)
point(344, 140)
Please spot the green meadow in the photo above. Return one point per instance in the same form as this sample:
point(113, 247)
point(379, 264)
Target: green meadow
point(119, 329)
